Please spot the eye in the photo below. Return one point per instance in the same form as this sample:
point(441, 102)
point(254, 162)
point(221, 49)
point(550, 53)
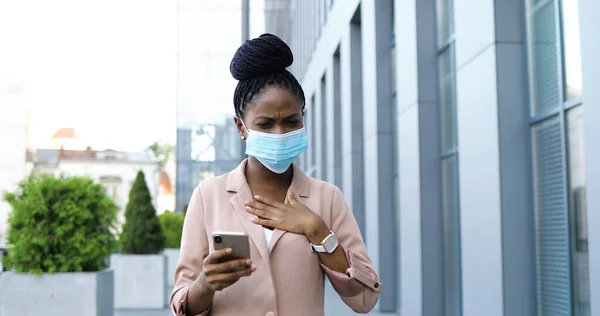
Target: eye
point(293, 122)
point(263, 124)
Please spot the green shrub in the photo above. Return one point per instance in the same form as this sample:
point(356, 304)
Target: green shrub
point(142, 233)
point(172, 225)
point(184, 210)
point(63, 224)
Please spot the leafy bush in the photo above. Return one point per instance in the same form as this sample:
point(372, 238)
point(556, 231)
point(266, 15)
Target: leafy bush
point(142, 233)
point(172, 225)
point(59, 225)
point(184, 210)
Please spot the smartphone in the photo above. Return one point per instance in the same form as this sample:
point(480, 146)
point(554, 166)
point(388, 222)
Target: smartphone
point(238, 242)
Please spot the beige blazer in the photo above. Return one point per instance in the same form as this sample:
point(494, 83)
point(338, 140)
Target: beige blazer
point(289, 279)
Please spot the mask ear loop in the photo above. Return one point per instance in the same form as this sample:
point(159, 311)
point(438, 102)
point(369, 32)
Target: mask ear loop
point(247, 130)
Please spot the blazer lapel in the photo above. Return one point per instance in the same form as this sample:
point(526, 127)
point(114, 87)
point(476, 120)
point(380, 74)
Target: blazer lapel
point(236, 182)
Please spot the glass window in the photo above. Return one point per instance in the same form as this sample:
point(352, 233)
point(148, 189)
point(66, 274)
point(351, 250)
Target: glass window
point(393, 48)
point(449, 161)
point(203, 143)
point(443, 21)
point(393, 67)
point(543, 55)
point(551, 219)
point(323, 106)
point(571, 49)
point(558, 159)
point(578, 212)
point(447, 101)
point(313, 131)
point(452, 273)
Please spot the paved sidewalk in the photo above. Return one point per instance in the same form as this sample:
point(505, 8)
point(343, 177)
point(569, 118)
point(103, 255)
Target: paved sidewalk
point(334, 306)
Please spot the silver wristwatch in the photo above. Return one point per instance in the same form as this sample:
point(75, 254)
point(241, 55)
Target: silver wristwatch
point(328, 245)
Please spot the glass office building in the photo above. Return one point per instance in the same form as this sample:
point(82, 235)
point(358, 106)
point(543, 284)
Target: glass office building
point(465, 137)
point(208, 144)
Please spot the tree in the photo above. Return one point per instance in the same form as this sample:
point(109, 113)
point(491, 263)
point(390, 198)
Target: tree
point(172, 225)
point(162, 151)
point(142, 233)
point(60, 225)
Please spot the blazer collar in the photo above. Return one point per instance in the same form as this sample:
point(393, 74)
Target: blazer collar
point(236, 180)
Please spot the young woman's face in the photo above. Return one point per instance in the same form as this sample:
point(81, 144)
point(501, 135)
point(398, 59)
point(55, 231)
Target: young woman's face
point(275, 111)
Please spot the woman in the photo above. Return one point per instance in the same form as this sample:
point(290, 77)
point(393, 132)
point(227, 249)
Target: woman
point(300, 228)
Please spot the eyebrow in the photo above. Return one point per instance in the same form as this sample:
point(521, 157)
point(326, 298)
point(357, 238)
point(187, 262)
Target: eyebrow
point(271, 118)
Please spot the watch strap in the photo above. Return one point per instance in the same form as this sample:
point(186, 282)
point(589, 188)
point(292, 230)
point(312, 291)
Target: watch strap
point(321, 247)
point(317, 248)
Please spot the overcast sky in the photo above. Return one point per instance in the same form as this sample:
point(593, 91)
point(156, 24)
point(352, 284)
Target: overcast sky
point(106, 68)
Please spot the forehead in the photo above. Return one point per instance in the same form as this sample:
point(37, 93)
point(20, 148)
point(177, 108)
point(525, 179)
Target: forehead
point(274, 101)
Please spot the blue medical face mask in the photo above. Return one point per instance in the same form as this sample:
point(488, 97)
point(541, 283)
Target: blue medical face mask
point(276, 151)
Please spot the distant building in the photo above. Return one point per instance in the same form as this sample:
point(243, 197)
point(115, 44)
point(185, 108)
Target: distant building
point(66, 138)
point(114, 169)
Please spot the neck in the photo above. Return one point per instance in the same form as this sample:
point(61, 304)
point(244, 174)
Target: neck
point(257, 173)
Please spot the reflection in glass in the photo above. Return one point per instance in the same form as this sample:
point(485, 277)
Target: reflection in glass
point(452, 274)
point(447, 101)
point(578, 211)
point(543, 59)
point(572, 49)
point(203, 143)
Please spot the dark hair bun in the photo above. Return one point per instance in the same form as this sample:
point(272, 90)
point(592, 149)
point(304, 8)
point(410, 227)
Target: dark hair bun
point(262, 55)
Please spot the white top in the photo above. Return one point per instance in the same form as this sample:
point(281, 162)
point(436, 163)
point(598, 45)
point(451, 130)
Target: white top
point(268, 234)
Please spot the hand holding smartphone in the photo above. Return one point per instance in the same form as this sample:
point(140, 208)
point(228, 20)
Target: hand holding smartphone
point(229, 262)
point(238, 242)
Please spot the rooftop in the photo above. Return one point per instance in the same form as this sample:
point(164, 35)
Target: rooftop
point(65, 133)
point(53, 156)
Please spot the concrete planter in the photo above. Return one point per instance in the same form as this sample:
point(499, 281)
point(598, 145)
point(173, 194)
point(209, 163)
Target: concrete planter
point(65, 294)
point(140, 281)
point(172, 255)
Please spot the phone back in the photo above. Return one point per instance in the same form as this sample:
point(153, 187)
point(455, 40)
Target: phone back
point(238, 242)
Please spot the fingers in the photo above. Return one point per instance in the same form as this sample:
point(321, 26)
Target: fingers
point(262, 206)
point(222, 280)
point(268, 201)
point(228, 266)
point(259, 212)
point(214, 256)
point(265, 222)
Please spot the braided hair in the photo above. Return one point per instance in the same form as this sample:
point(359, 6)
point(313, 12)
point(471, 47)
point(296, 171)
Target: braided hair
point(261, 63)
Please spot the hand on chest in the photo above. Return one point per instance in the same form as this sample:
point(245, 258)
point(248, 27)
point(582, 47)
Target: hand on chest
point(264, 241)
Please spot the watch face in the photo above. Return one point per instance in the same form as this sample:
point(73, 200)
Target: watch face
point(330, 243)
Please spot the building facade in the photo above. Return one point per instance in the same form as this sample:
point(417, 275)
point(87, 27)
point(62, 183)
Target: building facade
point(464, 135)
